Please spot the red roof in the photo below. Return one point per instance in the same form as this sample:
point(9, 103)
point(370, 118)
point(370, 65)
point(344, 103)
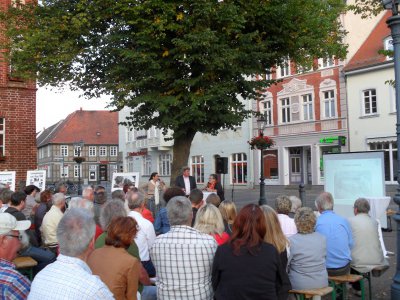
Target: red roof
point(96, 127)
point(367, 55)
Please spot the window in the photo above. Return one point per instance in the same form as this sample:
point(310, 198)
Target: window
point(165, 161)
point(270, 159)
point(308, 113)
point(266, 109)
point(77, 170)
point(388, 46)
point(326, 62)
point(129, 135)
point(64, 172)
point(369, 102)
point(113, 150)
point(329, 104)
point(284, 69)
point(64, 150)
point(390, 158)
point(78, 151)
point(113, 169)
point(152, 132)
point(285, 109)
point(103, 151)
point(239, 168)
point(131, 164)
point(92, 150)
point(147, 165)
point(198, 168)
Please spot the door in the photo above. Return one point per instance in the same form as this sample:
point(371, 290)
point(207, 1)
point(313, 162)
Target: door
point(295, 165)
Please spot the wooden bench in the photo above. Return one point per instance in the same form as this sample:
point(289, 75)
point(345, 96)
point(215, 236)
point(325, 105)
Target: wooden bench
point(306, 294)
point(389, 213)
point(25, 264)
point(375, 272)
point(339, 284)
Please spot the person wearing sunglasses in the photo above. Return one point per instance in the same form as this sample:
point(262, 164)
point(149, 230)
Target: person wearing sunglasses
point(13, 285)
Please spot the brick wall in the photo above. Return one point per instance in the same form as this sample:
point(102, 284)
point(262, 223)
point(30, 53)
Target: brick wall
point(18, 107)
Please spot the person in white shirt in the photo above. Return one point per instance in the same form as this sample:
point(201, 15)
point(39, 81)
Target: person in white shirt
point(146, 235)
point(70, 277)
point(51, 220)
point(283, 206)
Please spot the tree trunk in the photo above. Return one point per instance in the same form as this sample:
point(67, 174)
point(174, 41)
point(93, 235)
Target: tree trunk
point(181, 151)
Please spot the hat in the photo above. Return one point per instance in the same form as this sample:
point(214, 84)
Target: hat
point(8, 222)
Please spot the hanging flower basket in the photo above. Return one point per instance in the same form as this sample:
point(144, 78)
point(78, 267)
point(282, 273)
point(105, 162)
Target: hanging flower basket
point(79, 159)
point(2, 158)
point(261, 142)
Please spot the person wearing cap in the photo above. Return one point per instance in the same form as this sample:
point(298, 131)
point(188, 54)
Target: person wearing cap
point(13, 285)
point(30, 202)
point(42, 256)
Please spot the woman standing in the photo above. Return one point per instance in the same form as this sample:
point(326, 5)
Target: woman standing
point(209, 221)
point(154, 187)
point(247, 267)
point(214, 186)
point(115, 266)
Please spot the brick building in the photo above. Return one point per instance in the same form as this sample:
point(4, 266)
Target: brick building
point(17, 121)
point(59, 144)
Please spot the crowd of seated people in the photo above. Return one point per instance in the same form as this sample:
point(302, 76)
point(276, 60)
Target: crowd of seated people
point(102, 247)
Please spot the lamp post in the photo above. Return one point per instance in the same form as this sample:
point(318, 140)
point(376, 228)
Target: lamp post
point(394, 25)
point(78, 159)
point(261, 125)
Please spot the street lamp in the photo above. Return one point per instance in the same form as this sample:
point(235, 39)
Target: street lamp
point(394, 25)
point(261, 125)
point(78, 159)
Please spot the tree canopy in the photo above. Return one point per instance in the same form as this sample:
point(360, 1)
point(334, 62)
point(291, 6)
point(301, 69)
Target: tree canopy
point(180, 65)
point(367, 8)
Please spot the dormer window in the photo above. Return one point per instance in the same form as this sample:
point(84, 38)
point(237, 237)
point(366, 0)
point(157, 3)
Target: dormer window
point(388, 46)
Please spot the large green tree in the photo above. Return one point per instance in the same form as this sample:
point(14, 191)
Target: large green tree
point(180, 65)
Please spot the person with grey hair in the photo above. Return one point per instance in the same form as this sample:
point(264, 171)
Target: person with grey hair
point(78, 202)
point(5, 197)
point(70, 277)
point(296, 204)
point(367, 252)
point(181, 249)
point(283, 206)
point(88, 193)
point(13, 285)
point(337, 231)
point(51, 220)
point(118, 194)
point(146, 235)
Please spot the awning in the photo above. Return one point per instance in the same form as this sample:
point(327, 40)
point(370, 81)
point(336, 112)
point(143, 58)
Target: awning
point(384, 139)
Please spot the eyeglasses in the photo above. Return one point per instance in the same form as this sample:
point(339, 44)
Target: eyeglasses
point(15, 236)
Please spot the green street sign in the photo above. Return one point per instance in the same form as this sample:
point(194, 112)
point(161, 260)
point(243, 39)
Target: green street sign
point(341, 140)
point(329, 139)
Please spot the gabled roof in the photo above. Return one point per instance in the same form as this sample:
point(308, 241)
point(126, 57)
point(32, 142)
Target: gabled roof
point(97, 127)
point(367, 55)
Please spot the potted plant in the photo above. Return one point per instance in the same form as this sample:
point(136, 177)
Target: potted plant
point(261, 142)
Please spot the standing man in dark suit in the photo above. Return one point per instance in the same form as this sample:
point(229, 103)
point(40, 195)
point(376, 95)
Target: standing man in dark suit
point(185, 181)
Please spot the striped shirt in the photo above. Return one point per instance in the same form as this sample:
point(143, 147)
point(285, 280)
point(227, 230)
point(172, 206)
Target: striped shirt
point(183, 259)
point(13, 285)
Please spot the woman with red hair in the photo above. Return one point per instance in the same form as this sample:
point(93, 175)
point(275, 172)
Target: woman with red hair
point(247, 267)
point(113, 264)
